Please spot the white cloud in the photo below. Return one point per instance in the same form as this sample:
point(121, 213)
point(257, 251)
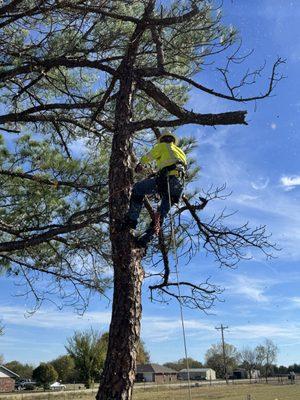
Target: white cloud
point(290, 182)
point(296, 300)
point(245, 198)
point(252, 289)
point(257, 200)
point(155, 329)
point(52, 318)
point(256, 331)
point(260, 183)
point(159, 329)
point(292, 303)
point(215, 139)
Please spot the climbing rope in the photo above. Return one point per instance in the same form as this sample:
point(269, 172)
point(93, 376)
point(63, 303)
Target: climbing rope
point(175, 255)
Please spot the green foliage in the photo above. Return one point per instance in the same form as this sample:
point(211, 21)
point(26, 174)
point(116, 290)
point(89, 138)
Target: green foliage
point(181, 364)
point(143, 356)
point(88, 352)
point(44, 375)
point(214, 358)
point(284, 370)
point(54, 162)
point(27, 204)
point(65, 368)
point(23, 370)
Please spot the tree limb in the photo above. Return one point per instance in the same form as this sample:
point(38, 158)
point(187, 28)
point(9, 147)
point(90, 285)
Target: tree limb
point(52, 233)
point(185, 116)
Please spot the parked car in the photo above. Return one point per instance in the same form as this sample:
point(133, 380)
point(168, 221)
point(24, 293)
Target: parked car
point(57, 386)
point(25, 384)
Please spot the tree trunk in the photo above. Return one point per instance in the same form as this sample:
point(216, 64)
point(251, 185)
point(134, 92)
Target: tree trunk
point(117, 379)
point(119, 370)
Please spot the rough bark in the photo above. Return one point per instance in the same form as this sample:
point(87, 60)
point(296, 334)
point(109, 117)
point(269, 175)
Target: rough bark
point(118, 375)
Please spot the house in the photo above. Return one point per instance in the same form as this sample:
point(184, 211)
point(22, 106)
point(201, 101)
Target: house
point(240, 373)
point(255, 374)
point(155, 373)
point(198, 374)
point(7, 379)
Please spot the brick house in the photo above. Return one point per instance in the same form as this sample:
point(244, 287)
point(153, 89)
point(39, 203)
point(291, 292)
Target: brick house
point(7, 379)
point(155, 373)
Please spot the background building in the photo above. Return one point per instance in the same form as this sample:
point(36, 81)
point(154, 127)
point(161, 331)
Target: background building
point(155, 373)
point(199, 374)
point(240, 373)
point(7, 379)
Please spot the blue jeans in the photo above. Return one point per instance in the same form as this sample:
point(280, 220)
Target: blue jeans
point(149, 187)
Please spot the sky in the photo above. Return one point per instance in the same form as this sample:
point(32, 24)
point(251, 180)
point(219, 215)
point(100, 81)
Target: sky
point(260, 165)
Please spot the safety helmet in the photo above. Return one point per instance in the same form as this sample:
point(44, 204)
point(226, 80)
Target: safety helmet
point(170, 135)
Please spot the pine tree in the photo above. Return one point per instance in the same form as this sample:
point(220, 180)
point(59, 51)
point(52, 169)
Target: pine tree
point(85, 87)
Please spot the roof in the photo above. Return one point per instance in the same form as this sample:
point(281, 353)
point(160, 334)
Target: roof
point(8, 372)
point(196, 370)
point(155, 368)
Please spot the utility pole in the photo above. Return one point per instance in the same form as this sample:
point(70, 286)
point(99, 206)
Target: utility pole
point(222, 329)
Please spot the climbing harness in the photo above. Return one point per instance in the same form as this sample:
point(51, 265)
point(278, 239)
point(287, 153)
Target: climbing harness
point(163, 176)
point(175, 255)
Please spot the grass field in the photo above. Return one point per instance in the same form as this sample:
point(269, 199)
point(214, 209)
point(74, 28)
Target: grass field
point(232, 392)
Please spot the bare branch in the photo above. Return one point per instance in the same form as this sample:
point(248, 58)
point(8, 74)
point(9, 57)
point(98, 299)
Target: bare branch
point(233, 97)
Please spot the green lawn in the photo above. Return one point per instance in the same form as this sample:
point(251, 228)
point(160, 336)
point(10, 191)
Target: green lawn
point(232, 392)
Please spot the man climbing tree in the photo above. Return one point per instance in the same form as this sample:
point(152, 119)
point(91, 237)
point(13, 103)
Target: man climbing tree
point(171, 163)
point(84, 85)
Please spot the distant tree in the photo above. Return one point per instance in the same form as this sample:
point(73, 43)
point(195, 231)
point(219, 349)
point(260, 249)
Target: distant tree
point(214, 358)
point(294, 367)
point(65, 367)
point(44, 375)
point(248, 360)
point(266, 355)
point(23, 370)
point(143, 355)
point(1, 329)
point(181, 364)
point(88, 352)
point(282, 369)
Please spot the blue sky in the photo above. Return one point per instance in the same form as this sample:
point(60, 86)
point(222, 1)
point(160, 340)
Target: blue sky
point(260, 164)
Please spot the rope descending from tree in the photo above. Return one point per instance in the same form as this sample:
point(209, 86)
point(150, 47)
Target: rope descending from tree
point(175, 255)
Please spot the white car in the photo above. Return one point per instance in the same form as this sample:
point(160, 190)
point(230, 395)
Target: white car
point(57, 386)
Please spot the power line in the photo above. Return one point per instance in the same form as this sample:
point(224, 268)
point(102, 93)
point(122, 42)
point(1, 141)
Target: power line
point(222, 329)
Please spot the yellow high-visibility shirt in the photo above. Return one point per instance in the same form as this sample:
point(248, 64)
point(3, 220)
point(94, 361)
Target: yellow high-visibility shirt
point(164, 154)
